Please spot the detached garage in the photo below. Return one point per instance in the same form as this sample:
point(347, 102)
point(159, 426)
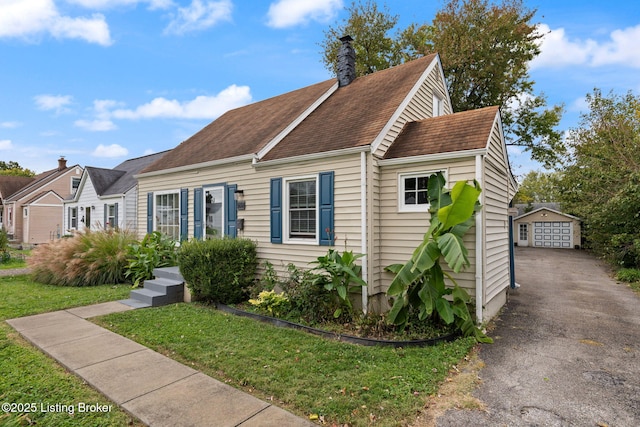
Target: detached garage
point(547, 228)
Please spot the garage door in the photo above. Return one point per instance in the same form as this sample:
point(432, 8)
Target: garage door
point(553, 234)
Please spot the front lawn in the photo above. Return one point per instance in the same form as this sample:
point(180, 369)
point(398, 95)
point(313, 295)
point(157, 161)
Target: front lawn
point(336, 382)
point(27, 376)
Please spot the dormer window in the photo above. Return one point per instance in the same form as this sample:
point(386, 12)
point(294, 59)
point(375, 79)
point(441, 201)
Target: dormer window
point(75, 183)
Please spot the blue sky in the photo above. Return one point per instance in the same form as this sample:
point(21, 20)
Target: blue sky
point(101, 81)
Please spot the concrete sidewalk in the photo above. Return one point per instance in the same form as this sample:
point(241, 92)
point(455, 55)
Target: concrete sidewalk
point(155, 389)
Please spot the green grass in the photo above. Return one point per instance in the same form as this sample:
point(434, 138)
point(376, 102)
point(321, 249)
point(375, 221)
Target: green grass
point(28, 376)
point(344, 383)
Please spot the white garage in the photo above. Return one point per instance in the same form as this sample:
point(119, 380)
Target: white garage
point(547, 228)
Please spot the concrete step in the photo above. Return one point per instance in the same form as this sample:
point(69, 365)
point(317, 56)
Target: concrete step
point(170, 287)
point(135, 303)
point(150, 297)
point(172, 273)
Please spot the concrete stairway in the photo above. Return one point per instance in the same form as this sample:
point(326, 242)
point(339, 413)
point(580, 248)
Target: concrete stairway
point(166, 288)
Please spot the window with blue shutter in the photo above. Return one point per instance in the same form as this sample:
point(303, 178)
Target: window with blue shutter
point(197, 213)
point(325, 207)
point(184, 213)
point(276, 210)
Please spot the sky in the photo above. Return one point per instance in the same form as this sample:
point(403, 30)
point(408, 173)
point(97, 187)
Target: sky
point(103, 81)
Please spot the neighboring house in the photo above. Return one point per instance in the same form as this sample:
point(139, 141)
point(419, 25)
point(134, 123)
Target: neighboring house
point(547, 228)
point(107, 197)
point(524, 208)
point(34, 213)
point(341, 164)
point(9, 184)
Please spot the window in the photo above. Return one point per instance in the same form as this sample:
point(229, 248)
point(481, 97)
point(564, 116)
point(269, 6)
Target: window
point(412, 192)
point(167, 214)
point(26, 212)
point(438, 105)
point(301, 198)
point(111, 216)
point(214, 212)
point(75, 183)
point(73, 218)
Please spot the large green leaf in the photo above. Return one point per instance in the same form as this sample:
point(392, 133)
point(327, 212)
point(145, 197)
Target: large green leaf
point(437, 197)
point(453, 251)
point(404, 277)
point(444, 310)
point(426, 257)
point(463, 202)
point(398, 313)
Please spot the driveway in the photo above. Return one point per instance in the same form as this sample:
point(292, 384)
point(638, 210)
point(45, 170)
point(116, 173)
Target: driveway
point(566, 351)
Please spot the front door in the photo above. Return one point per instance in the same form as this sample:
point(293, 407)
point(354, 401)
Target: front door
point(214, 212)
point(523, 235)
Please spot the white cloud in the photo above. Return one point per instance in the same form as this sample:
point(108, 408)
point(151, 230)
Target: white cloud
point(10, 125)
point(200, 15)
point(106, 4)
point(113, 150)
point(579, 105)
point(559, 50)
point(289, 13)
point(5, 144)
point(97, 125)
point(202, 107)
point(53, 102)
point(29, 19)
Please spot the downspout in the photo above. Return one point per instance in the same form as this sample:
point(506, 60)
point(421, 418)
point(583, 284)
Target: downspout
point(363, 228)
point(479, 249)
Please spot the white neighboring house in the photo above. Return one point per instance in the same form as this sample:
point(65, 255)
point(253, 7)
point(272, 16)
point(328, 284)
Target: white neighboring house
point(107, 197)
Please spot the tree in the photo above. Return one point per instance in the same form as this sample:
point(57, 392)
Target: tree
point(538, 187)
point(13, 168)
point(601, 180)
point(485, 51)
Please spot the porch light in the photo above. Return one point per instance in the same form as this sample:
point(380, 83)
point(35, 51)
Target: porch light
point(238, 196)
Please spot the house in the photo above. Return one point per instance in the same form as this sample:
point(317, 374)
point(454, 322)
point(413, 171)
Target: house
point(107, 197)
point(9, 184)
point(34, 214)
point(342, 163)
point(545, 227)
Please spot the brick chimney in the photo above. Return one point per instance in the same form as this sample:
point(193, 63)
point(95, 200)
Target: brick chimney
point(346, 62)
point(62, 163)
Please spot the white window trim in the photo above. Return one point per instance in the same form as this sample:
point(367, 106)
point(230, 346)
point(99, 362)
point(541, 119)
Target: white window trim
point(285, 215)
point(204, 208)
point(402, 208)
point(438, 105)
point(115, 214)
point(73, 178)
point(155, 207)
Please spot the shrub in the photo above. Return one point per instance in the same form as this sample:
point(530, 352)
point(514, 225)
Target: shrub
point(154, 251)
point(275, 304)
point(310, 301)
point(85, 259)
point(629, 275)
point(218, 270)
point(4, 247)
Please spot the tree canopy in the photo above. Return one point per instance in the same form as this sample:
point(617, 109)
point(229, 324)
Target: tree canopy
point(485, 51)
point(13, 168)
point(601, 180)
point(538, 187)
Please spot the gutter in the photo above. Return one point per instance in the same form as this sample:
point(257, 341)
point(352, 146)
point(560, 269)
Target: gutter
point(479, 249)
point(363, 229)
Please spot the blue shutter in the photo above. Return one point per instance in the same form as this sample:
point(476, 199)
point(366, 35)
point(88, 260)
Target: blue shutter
point(184, 213)
point(231, 214)
point(276, 210)
point(197, 213)
point(326, 209)
point(149, 212)
point(106, 216)
point(116, 216)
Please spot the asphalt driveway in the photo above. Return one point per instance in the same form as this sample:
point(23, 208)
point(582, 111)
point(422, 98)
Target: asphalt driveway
point(566, 351)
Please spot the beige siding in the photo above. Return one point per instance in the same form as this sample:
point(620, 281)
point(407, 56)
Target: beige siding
point(401, 232)
point(255, 182)
point(419, 107)
point(497, 190)
point(42, 225)
point(547, 215)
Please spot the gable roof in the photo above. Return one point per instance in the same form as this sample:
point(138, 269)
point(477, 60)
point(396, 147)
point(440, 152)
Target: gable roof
point(244, 130)
point(40, 195)
point(354, 115)
point(468, 130)
point(9, 184)
point(119, 180)
point(549, 210)
point(38, 182)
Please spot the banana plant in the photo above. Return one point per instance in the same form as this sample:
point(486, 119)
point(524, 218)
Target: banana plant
point(420, 282)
